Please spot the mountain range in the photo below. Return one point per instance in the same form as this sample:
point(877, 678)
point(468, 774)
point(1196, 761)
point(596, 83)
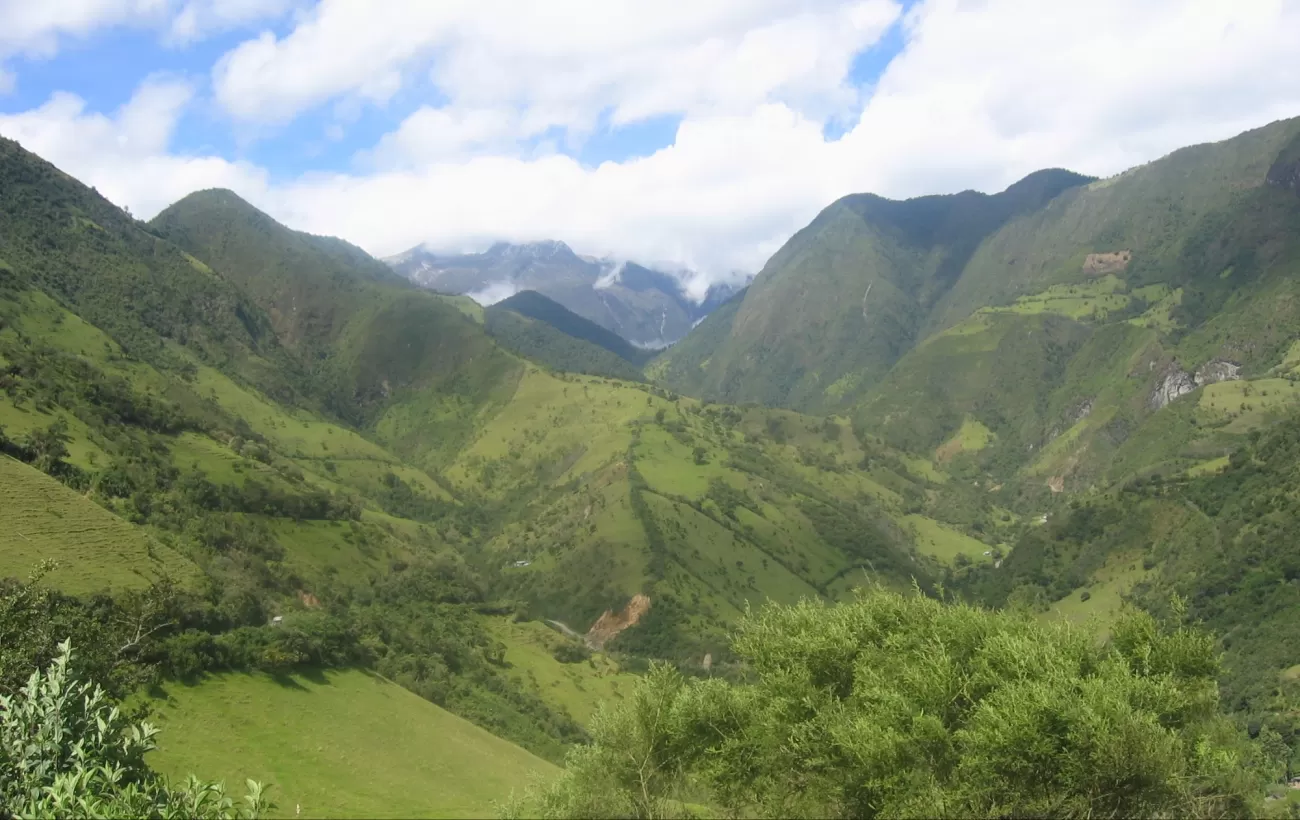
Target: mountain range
point(1064, 398)
point(647, 307)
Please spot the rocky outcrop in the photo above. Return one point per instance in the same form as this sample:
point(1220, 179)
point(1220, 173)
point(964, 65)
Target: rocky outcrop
point(1174, 382)
point(1082, 412)
point(1216, 371)
point(610, 624)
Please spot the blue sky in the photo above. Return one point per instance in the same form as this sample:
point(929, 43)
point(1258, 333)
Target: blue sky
point(699, 136)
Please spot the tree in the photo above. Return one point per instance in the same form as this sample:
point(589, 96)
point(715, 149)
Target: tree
point(66, 751)
point(49, 446)
point(897, 705)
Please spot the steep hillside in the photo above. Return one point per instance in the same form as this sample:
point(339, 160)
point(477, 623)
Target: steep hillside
point(149, 295)
point(848, 295)
point(1216, 535)
point(361, 333)
point(685, 363)
point(41, 519)
point(340, 744)
point(536, 328)
point(1063, 324)
point(541, 342)
point(311, 286)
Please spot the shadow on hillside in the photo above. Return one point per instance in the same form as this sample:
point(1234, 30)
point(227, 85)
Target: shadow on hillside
point(286, 679)
point(314, 674)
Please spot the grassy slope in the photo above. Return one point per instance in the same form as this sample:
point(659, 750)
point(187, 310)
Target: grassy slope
point(539, 341)
point(339, 744)
point(40, 518)
point(575, 688)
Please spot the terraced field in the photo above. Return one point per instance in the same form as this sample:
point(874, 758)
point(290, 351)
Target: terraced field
point(40, 518)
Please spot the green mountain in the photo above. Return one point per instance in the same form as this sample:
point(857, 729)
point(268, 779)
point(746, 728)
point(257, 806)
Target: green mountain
point(533, 327)
point(1057, 315)
point(536, 306)
point(296, 463)
point(848, 295)
point(360, 332)
point(1114, 366)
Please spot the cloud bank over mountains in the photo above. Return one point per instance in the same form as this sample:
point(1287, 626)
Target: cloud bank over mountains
point(725, 125)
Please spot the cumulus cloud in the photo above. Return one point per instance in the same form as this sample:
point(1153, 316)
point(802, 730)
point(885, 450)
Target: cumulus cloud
point(563, 62)
point(34, 28)
point(982, 94)
point(197, 19)
point(125, 156)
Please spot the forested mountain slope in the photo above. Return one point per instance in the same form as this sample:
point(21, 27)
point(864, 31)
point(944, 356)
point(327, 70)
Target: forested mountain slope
point(870, 280)
point(288, 462)
point(1059, 325)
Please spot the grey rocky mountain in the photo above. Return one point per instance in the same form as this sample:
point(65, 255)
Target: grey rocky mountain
point(647, 307)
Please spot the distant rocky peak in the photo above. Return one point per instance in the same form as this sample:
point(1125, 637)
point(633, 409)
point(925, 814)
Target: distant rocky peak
point(542, 250)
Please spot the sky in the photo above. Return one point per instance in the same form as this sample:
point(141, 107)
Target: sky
point(695, 134)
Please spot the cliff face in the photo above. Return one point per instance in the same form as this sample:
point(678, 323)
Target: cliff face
point(610, 624)
point(1178, 382)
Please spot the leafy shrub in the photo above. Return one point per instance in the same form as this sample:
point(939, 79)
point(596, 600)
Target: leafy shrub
point(66, 751)
point(570, 652)
point(902, 706)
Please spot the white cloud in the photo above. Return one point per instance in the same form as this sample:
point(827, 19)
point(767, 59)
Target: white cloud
point(33, 26)
point(984, 93)
point(436, 134)
point(562, 62)
point(494, 292)
point(197, 19)
point(126, 156)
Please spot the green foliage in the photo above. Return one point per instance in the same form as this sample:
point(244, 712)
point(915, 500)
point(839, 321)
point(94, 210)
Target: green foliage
point(899, 705)
point(571, 653)
point(65, 750)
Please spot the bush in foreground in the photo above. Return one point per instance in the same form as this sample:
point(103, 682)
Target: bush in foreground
point(902, 706)
point(65, 751)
